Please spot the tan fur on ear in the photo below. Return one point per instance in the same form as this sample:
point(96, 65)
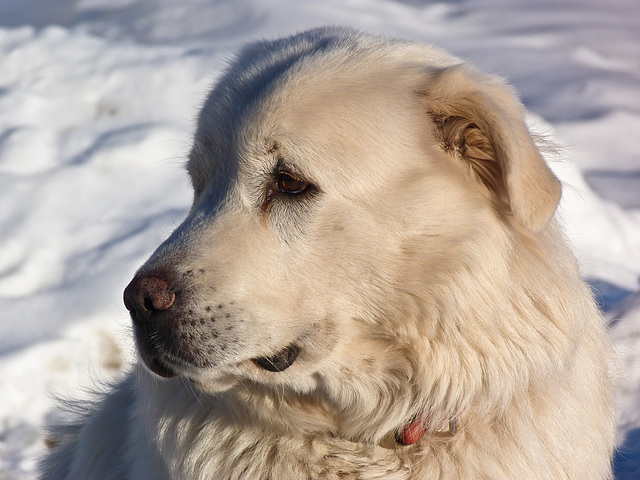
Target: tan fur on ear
point(480, 120)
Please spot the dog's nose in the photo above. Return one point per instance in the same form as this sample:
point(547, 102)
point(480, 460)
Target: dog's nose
point(150, 293)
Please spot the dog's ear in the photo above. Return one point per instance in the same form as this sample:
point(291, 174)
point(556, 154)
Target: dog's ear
point(478, 119)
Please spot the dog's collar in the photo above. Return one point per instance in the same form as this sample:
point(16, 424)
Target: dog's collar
point(417, 428)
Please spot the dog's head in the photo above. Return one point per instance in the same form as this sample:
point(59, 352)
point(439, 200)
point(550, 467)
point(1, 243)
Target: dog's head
point(342, 185)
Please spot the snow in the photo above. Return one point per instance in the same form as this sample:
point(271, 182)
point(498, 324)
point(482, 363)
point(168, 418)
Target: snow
point(97, 101)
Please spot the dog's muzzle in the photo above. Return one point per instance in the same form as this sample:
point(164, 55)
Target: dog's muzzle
point(154, 301)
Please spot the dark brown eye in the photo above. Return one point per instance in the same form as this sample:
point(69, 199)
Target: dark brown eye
point(290, 184)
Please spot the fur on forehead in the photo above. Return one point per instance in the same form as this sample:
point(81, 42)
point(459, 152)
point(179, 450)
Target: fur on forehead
point(260, 66)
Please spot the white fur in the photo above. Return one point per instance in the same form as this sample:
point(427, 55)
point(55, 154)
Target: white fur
point(426, 275)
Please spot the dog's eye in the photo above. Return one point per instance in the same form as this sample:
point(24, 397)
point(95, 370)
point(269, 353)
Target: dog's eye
point(290, 184)
point(287, 186)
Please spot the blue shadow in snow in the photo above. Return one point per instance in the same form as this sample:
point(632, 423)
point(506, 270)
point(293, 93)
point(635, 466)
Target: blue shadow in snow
point(607, 295)
point(626, 461)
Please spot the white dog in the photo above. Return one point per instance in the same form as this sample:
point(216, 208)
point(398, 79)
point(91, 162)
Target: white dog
point(370, 284)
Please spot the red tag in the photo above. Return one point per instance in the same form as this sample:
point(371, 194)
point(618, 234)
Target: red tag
point(412, 432)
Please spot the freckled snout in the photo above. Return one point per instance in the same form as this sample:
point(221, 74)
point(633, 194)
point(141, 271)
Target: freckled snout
point(147, 294)
point(178, 331)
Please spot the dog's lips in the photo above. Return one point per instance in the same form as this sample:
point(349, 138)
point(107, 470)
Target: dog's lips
point(168, 365)
point(159, 367)
point(151, 357)
point(279, 361)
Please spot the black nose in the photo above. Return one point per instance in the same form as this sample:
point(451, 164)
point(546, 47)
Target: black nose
point(149, 293)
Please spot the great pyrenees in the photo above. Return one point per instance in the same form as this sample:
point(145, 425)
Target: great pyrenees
point(370, 284)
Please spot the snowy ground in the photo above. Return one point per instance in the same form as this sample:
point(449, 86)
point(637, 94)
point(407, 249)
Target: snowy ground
point(97, 99)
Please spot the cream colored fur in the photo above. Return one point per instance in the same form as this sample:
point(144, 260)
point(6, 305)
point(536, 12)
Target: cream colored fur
point(424, 275)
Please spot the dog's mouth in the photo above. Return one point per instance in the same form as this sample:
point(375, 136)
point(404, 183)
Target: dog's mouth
point(160, 367)
point(280, 361)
